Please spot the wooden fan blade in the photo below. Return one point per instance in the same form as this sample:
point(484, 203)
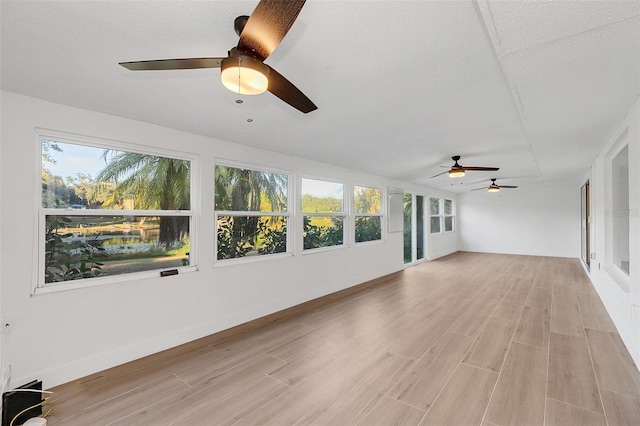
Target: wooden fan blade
point(447, 171)
point(285, 90)
point(479, 189)
point(172, 64)
point(267, 26)
point(507, 186)
point(487, 169)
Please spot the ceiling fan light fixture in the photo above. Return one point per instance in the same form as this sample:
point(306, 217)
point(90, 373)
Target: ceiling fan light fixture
point(244, 74)
point(456, 173)
point(493, 188)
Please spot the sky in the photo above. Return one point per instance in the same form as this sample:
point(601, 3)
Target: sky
point(322, 189)
point(75, 159)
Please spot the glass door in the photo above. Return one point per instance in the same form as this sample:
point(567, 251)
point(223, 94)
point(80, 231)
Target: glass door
point(414, 229)
point(408, 228)
point(585, 224)
point(419, 227)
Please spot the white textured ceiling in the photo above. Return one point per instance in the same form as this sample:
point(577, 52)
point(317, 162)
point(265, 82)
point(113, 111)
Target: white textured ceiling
point(532, 87)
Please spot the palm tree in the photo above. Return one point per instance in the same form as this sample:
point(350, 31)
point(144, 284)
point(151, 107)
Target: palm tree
point(241, 190)
point(153, 183)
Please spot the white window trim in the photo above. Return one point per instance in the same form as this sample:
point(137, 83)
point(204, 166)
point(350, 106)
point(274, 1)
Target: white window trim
point(439, 216)
point(347, 200)
point(38, 284)
point(288, 214)
point(380, 215)
point(445, 216)
point(611, 269)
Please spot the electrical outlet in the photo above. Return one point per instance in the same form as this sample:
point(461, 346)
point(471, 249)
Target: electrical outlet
point(7, 324)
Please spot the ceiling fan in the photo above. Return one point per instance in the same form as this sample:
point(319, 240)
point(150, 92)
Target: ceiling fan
point(494, 186)
point(458, 171)
point(243, 71)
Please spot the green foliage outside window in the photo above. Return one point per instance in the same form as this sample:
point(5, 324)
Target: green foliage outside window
point(407, 227)
point(448, 207)
point(239, 190)
point(240, 236)
point(324, 203)
point(311, 204)
point(434, 204)
point(367, 201)
point(79, 246)
point(368, 228)
point(152, 183)
point(63, 261)
point(318, 236)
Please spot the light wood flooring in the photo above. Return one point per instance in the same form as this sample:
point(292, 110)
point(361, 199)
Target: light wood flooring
point(468, 339)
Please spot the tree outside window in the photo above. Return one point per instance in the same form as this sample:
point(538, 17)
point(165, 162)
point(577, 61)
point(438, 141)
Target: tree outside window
point(434, 211)
point(448, 215)
point(367, 206)
point(251, 212)
point(108, 212)
point(323, 213)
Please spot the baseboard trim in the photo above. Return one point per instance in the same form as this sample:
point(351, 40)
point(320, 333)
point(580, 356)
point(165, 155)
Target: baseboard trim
point(522, 253)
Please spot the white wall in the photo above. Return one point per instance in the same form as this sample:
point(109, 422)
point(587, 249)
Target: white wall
point(442, 244)
point(2, 336)
point(619, 293)
point(534, 220)
point(65, 335)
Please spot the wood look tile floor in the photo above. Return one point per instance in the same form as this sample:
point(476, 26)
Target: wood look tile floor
point(468, 339)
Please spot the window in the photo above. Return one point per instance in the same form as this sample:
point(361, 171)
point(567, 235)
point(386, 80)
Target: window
point(448, 215)
point(620, 210)
point(107, 212)
point(434, 210)
point(251, 212)
point(323, 213)
point(367, 206)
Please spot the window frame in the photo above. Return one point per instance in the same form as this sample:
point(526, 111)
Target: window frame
point(438, 215)
point(38, 280)
point(345, 214)
point(445, 216)
point(615, 272)
point(356, 215)
point(288, 214)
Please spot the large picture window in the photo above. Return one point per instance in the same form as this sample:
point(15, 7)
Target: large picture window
point(251, 212)
point(367, 206)
point(323, 213)
point(109, 211)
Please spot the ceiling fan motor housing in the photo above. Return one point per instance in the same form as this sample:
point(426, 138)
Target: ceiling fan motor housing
point(239, 23)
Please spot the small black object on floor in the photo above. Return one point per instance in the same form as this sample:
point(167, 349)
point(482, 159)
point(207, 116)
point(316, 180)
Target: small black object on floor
point(15, 401)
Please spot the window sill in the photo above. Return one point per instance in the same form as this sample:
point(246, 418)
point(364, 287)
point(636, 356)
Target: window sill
point(619, 277)
point(365, 243)
point(324, 249)
point(101, 281)
point(249, 259)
